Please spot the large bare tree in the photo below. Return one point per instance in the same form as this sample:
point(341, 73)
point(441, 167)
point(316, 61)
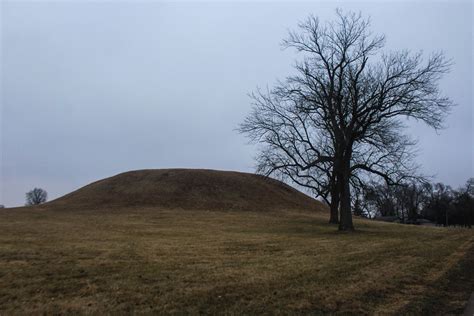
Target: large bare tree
point(338, 120)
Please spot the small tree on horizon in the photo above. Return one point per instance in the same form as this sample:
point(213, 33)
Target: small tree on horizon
point(36, 196)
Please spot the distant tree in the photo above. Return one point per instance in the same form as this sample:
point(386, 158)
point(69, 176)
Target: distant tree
point(358, 206)
point(36, 196)
point(412, 197)
point(381, 200)
point(337, 121)
point(412, 201)
point(470, 187)
point(2, 206)
point(463, 206)
point(439, 204)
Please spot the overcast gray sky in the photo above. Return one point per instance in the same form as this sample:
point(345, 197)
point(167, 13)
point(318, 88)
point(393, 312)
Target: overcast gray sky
point(93, 89)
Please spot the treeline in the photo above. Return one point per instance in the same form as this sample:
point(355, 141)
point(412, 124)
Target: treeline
point(415, 203)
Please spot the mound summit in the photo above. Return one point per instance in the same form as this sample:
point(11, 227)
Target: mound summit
point(190, 189)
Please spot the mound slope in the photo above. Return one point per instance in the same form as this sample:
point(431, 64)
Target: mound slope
point(190, 189)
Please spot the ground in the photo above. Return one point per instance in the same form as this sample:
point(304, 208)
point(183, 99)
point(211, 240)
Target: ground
point(157, 260)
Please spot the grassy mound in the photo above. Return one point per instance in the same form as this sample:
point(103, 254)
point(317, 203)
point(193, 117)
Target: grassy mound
point(190, 189)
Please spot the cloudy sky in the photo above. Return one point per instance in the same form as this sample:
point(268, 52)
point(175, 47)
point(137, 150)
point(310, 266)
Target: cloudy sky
point(92, 89)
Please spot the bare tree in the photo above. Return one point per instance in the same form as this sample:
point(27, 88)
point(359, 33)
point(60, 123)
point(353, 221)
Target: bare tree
point(404, 201)
point(337, 122)
point(36, 196)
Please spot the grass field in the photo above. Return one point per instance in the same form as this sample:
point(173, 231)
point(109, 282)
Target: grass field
point(154, 260)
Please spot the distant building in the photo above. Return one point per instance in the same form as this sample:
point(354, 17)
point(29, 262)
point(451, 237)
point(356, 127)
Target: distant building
point(425, 222)
point(390, 219)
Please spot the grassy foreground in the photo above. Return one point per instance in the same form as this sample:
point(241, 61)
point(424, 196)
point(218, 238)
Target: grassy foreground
point(163, 261)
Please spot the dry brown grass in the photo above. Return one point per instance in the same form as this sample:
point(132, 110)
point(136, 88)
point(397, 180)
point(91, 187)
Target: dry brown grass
point(156, 260)
point(200, 241)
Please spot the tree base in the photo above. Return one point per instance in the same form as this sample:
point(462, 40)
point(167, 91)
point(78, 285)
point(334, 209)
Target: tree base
point(344, 228)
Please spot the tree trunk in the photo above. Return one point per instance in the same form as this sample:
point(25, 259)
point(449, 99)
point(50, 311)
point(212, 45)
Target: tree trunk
point(334, 217)
point(345, 223)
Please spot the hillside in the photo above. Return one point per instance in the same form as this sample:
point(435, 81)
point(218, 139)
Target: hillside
point(190, 189)
point(158, 242)
point(157, 261)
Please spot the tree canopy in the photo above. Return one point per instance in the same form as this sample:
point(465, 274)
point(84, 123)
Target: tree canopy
point(36, 196)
